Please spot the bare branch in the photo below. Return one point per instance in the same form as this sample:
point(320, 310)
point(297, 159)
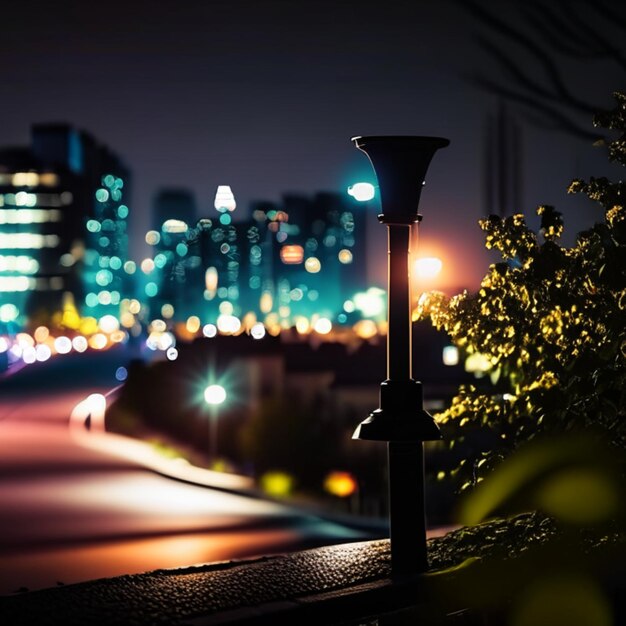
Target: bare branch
point(559, 35)
point(560, 121)
point(505, 29)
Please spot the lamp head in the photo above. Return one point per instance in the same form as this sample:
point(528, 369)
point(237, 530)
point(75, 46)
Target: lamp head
point(400, 163)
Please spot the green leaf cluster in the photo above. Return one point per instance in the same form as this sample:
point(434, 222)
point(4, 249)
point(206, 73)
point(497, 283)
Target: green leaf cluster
point(550, 322)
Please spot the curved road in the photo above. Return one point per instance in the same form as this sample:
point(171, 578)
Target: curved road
point(70, 512)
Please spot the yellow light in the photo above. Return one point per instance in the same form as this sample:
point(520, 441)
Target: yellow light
point(193, 324)
point(117, 336)
point(340, 484)
point(134, 307)
point(266, 302)
point(365, 329)
point(167, 311)
point(312, 265)
point(41, 334)
point(303, 326)
point(323, 326)
point(210, 279)
point(277, 484)
point(345, 256)
point(98, 341)
point(88, 325)
point(428, 268)
point(25, 179)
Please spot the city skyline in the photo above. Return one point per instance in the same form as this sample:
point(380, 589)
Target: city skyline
point(265, 98)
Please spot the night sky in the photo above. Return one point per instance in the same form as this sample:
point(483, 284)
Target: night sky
point(264, 96)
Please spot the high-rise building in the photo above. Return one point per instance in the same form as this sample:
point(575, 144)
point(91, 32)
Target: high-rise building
point(49, 194)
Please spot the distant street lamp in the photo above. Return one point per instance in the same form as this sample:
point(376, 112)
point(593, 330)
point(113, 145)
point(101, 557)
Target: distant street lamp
point(400, 164)
point(214, 395)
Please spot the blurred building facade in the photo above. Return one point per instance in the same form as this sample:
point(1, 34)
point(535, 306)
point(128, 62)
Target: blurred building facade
point(62, 227)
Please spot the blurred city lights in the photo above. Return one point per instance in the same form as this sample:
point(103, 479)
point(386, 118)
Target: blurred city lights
point(171, 354)
point(209, 330)
point(323, 326)
point(79, 343)
point(63, 345)
point(108, 324)
point(121, 374)
point(340, 484)
point(257, 331)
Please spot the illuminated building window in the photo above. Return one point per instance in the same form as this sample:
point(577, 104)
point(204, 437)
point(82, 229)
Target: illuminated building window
point(21, 264)
point(292, 255)
point(16, 283)
point(28, 240)
point(25, 179)
point(29, 216)
point(48, 179)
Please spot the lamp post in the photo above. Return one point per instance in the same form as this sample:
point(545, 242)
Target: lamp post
point(214, 395)
point(400, 164)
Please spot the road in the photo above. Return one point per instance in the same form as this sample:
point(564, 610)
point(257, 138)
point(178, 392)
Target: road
point(71, 512)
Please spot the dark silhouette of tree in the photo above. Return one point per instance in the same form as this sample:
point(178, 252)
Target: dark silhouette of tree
point(540, 48)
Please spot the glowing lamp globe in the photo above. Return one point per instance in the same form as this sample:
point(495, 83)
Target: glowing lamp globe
point(214, 394)
point(362, 192)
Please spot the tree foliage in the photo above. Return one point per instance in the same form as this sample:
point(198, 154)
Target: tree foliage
point(550, 321)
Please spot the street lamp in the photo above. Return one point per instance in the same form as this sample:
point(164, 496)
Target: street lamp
point(400, 164)
point(214, 395)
